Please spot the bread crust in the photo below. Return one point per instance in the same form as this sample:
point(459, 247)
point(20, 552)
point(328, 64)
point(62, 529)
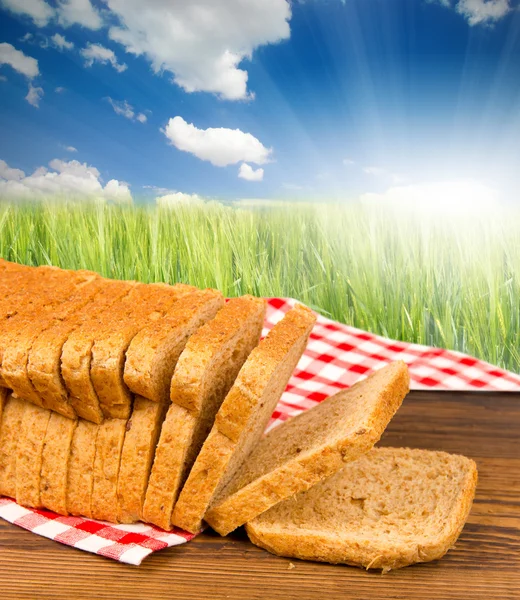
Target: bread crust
point(154, 351)
point(306, 544)
point(142, 434)
point(109, 445)
point(30, 455)
point(12, 416)
point(44, 363)
point(304, 470)
point(55, 459)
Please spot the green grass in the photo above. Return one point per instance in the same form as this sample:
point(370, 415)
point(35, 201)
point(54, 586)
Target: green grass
point(442, 282)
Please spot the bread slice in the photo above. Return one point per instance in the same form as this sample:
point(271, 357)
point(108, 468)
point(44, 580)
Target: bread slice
point(154, 351)
point(12, 416)
point(44, 363)
point(55, 460)
point(244, 415)
point(109, 445)
point(30, 455)
point(142, 433)
point(76, 357)
point(310, 447)
point(391, 508)
point(37, 305)
point(80, 474)
point(16, 355)
point(206, 370)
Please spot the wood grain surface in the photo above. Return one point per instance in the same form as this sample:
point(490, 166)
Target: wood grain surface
point(485, 563)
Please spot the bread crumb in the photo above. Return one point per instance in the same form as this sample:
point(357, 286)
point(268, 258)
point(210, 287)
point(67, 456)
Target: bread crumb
point(291, 566)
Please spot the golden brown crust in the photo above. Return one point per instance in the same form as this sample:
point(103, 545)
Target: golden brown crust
point(378, 553)
point(4, 394)
point(44, 364)
point(111, 342)
point(55, 458)
point(290, 334)
point(109, 445)
point(154, 351)
point(302, 471)
point(142, 434)
point(12, 416)
point(30, 455)
point(80, 474)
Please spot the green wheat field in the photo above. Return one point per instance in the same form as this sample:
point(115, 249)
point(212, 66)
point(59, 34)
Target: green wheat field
point(449, 282)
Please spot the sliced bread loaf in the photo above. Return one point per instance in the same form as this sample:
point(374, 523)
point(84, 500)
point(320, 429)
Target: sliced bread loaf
point(109, 445)
point(246, 411)
point(205, 372)
point(12, 417)
point(390, 508)
point(310, 447)
point(80, 474)
point(142, 432)
point(154, 351)
point(55, 460)
point(44, 363)
point(30, 455)
point(112, 338)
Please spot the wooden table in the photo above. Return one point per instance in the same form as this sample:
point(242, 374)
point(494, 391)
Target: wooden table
point(485, 563)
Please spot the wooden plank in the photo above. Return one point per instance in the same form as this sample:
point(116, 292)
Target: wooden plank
point(485, 563)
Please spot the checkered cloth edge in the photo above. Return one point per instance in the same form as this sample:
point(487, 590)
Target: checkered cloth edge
point(336, 357)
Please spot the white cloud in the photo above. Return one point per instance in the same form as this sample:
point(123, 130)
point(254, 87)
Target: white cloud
point(3, 78)
point(97, 53)
point(9, 174)
point(38, 10)
point(59, 90)
point(27, 37)
point(483, 11)
point(70, 180)
point(375, 171)
point(201, 42)
point(78, 12)
point(71, 149)
point(446, 197)
point(34, 95)
point(249, 174)
point(123, 108)
point(61, 42)
point(220, 146)
point(176, 198)
point(26, 65)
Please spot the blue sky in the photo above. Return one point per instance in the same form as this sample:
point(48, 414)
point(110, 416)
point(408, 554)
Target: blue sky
point(331, 99)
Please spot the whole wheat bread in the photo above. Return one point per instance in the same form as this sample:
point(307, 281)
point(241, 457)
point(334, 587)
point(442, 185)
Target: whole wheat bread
point(12, 416)
point(142, 433)
point(244, 415)
point(205, 372)
point(310, 447)
point(390, 508)
point(154, 351)
point(80, 473)
point(30, 455)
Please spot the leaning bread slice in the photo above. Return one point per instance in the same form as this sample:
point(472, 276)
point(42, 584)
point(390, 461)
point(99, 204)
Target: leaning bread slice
point(30, 455)
point(112, 339)
point(80, 472)
point(44, 363)
point(310, 447)
point(12, 416)
point(16, 355)
point(142, 433)
point(55, 460)
point(109, 445)
point(154, 351)
point(391, 508)
point(206, 370)
point(250, 402)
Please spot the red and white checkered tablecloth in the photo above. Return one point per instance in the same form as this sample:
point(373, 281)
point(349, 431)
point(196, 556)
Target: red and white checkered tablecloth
point(336, 357)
